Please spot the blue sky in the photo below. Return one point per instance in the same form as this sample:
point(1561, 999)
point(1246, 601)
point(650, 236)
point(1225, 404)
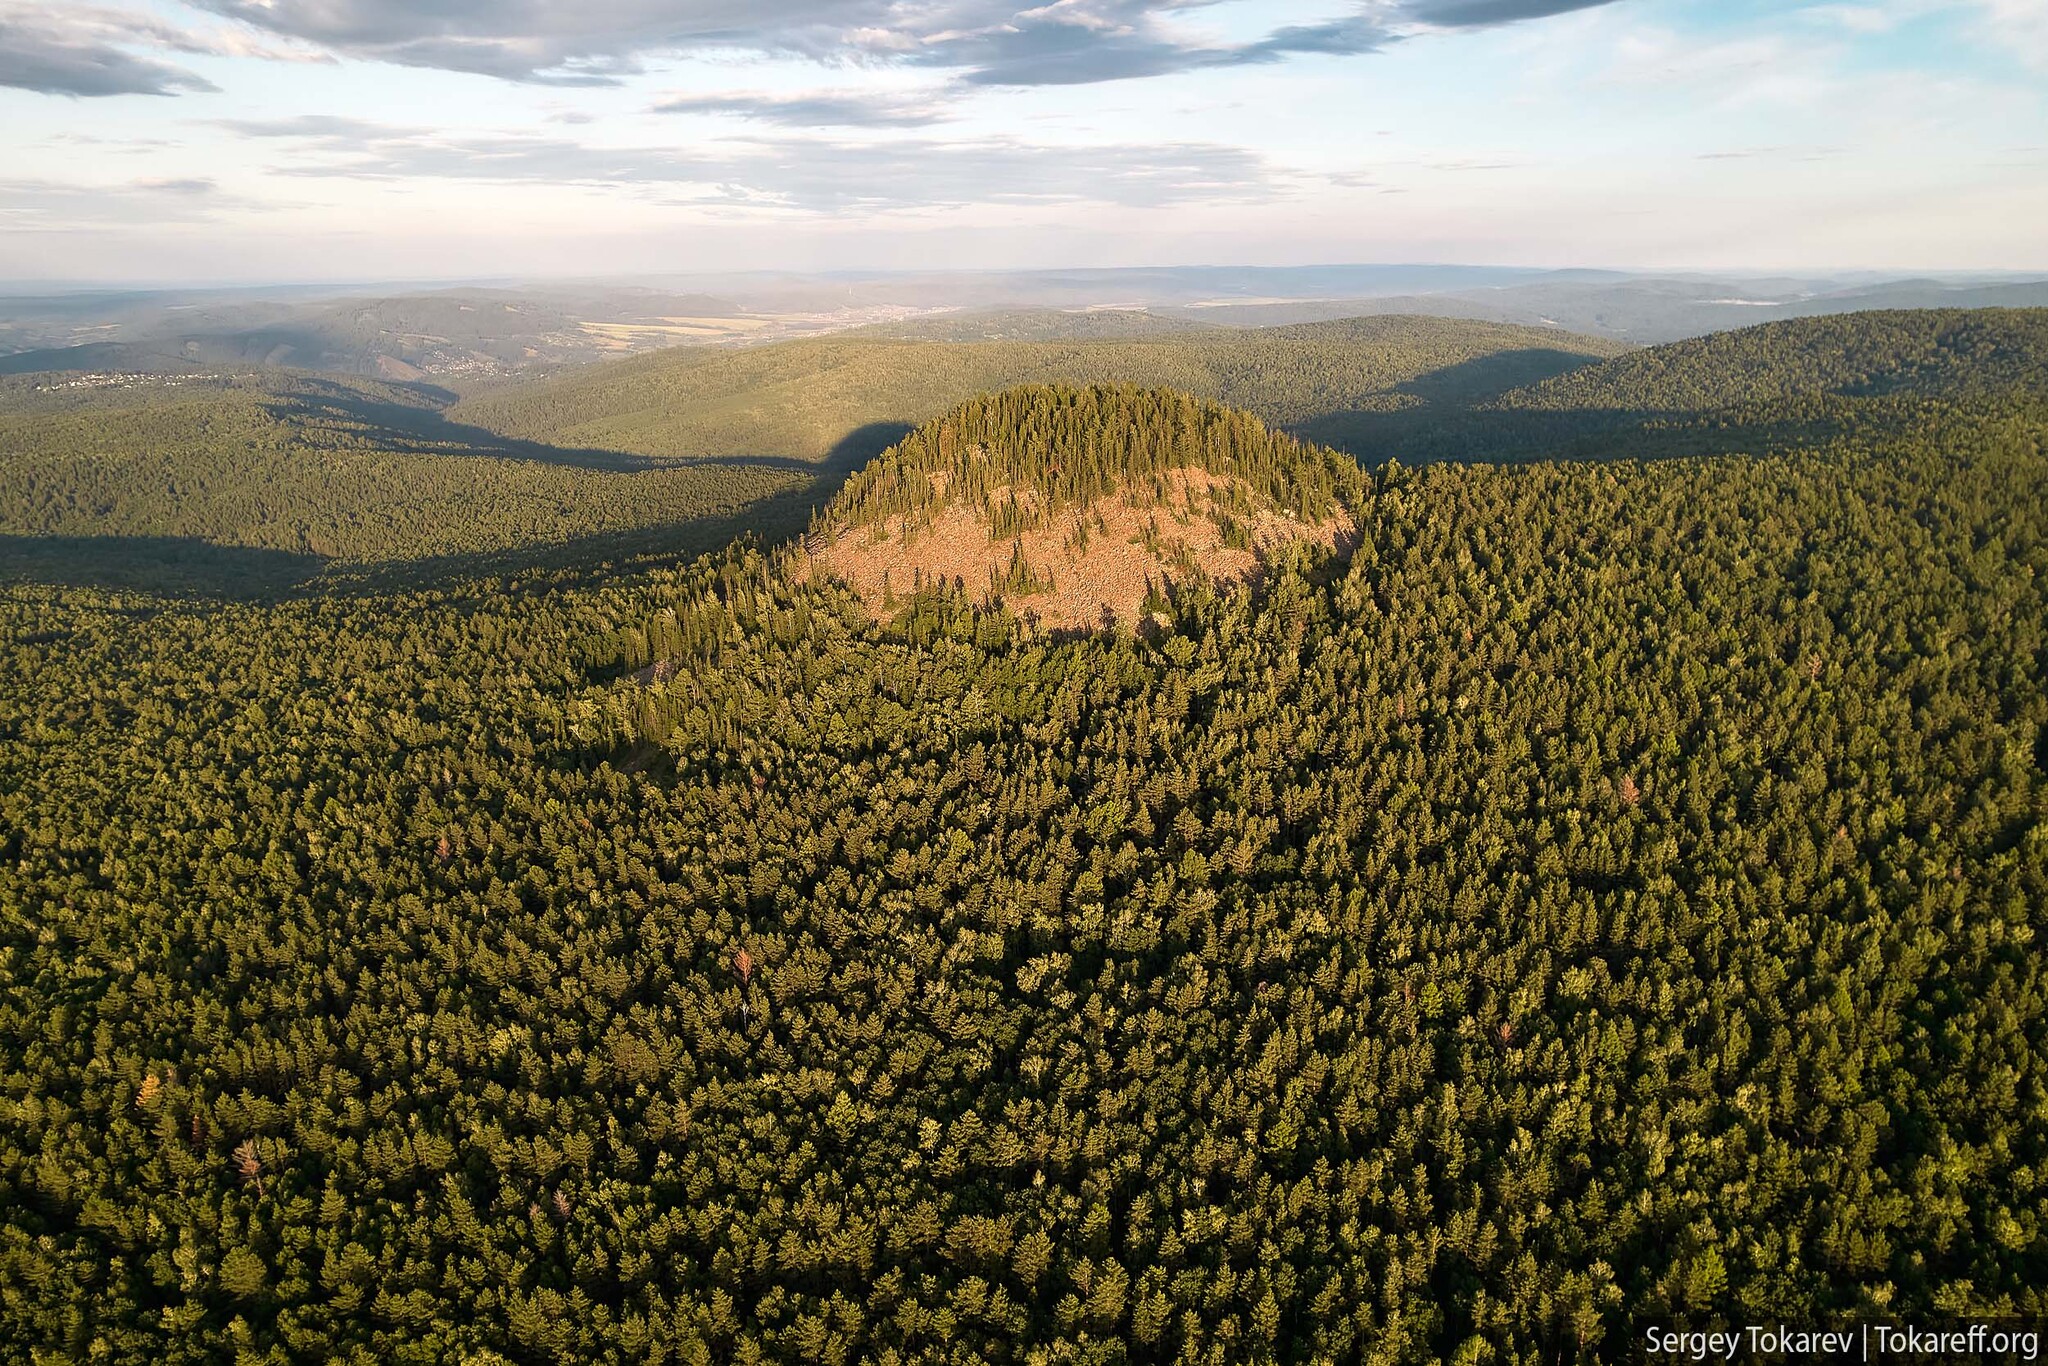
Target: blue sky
point(224, 140)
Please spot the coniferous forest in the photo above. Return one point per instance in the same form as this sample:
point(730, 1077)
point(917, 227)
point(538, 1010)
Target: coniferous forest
point(1610, 891)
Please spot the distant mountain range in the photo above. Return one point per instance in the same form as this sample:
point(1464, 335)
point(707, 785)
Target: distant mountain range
point(461, 338)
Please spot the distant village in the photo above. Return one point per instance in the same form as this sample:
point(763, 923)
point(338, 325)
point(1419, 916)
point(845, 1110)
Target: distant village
point(110, 380)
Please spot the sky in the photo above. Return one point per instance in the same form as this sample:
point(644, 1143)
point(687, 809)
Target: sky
point(223, 141)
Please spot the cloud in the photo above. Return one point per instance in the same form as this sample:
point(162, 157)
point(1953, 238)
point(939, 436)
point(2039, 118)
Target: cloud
point(88, 50)
point(2016, 30)
point(1336, 38)
point(85, 50)
point(561, 42)
point(1766, 70)
point(1077, 42)
point(1061, 51)
point(799, 175)
point(46, 206)
point(80, 52)
point(819, 109)
point(1485, 13)
point(2017, 27)
point(120, 146)
point(983, 42)
point(333, 127)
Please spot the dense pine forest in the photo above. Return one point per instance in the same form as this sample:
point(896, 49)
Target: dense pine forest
point(1607, 893)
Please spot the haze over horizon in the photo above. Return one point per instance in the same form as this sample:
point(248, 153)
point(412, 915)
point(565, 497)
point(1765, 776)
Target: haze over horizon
point(295, 140)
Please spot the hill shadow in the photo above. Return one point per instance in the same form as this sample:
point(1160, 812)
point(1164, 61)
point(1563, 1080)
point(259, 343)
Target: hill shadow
point(359, 419)
point(587, 560)
point(1454, 414)
point(175, 566)
point(1452, 393)
point(190, 567)
point(1508, 436)
point(187, 568)
point(772, 520)
point(428, 430)
point(1484, 378)
point(582, 561)
point(859, 446)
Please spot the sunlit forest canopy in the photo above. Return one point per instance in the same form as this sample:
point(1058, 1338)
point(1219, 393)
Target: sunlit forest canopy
point(1932, 352)
point(1605, 890)
point(1059, 446)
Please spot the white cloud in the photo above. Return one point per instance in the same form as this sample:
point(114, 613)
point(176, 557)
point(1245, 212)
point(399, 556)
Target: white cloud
point(816, 108)
point(52, 206)
point(84, 51)
point(802, 175)
point(2018, 27)
point(986, 42)
point(91, 50)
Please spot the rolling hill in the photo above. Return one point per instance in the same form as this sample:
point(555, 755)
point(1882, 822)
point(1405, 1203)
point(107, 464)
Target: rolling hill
point(1775, 387)
point(1921, 353)
point(1033, 325)
point(236, 479)
point(450, 336)
point(256, 481)
point(1641, 311)
point(251, 479)
point(845, 399)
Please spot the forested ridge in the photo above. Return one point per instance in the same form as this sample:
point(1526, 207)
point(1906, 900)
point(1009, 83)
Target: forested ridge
point(1778, 388)
point(1954, 353)
point(327, 475)
point(801, 399)
point(1610, 893)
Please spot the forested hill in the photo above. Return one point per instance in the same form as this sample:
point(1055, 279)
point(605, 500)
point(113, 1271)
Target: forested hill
point(1054, 447)
point(810, 399)
point(256, 481)
point(1076, 506)
point(1777, 388)
point(1917, 354)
